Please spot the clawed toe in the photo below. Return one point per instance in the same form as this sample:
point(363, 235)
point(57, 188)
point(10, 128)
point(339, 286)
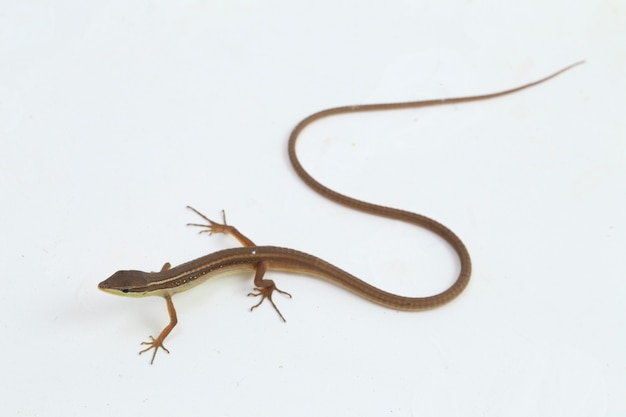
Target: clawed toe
point(154, 344)
point(266, 293)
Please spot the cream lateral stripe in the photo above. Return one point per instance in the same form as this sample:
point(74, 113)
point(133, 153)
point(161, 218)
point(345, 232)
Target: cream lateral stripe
point(263, 258)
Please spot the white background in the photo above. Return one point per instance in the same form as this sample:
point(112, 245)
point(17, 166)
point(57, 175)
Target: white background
point(114, 115)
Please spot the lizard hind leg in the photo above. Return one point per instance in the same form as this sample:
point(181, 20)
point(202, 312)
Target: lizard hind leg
point(265, 288)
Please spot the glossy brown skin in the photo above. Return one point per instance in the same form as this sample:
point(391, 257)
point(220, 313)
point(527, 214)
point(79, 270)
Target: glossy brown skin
point(262, 258)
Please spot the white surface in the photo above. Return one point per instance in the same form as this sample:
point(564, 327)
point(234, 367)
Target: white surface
point(115, 115)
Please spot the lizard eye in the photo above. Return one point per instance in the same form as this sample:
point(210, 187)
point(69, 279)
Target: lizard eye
point(125, 290)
